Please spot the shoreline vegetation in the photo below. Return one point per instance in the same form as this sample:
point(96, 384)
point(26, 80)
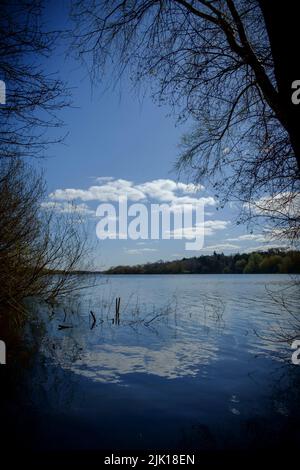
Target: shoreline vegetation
point(273, 261)
point(33, 243)
point(269, 262)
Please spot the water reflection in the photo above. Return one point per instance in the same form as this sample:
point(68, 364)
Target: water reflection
point(183, 367)
point(121, 345)
point(112, 362)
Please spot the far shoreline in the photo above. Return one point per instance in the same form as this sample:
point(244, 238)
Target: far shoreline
point(273, 261)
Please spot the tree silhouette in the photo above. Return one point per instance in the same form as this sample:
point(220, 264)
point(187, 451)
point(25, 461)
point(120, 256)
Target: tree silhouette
point(32, 241)
point(33, 97)
point(213, 61)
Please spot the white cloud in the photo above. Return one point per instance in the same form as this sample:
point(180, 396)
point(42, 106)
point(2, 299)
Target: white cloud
point(109, 191)
point(248, 237)
point(161, 190)
point(102, 179)
point(210, 227)
point(267, 238)
point(139, 251)
point(266, 247)
point(190, 187)
point(222, 247)
point(282, 204)
point(164, 189)
point(190, 203)
point(67, 208)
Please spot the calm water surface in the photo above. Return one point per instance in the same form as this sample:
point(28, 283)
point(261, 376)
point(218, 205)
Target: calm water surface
point(193, 363)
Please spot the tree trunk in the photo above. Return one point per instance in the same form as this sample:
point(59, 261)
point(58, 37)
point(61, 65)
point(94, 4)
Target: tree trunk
point(282, 23)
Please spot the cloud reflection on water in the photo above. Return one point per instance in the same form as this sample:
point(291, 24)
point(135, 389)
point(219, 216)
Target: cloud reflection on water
point(110, 363)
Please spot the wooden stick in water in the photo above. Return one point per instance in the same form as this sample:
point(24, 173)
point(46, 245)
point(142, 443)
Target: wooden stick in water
point(118, 300)
point(94, 319)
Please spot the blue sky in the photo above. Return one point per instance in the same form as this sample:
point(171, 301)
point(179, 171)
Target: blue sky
point(127, 141)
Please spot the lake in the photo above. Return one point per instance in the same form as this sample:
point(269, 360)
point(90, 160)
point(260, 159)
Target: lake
point(193, 362)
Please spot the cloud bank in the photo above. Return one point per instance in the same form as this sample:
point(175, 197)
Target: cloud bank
point(160, 190)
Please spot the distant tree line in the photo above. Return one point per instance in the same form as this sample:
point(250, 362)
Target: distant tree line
point(273, 261)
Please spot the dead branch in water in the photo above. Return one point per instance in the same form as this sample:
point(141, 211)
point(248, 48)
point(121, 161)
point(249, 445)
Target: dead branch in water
point(117, 315)
point(94, 320)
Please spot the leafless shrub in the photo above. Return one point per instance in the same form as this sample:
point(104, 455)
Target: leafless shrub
point(287, 300)
point(33, 243)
